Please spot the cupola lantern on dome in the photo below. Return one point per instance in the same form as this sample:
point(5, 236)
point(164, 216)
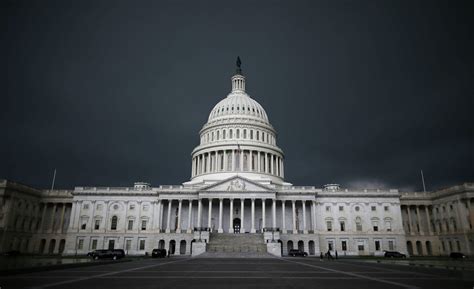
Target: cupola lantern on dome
point(238, 80)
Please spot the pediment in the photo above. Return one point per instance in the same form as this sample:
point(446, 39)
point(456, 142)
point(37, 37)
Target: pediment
point(237, 184)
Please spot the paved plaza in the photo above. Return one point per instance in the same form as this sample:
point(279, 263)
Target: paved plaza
point(240, 273)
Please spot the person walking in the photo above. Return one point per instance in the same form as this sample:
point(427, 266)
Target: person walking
point(336, 254)
point(329, 255)
point(321, 256)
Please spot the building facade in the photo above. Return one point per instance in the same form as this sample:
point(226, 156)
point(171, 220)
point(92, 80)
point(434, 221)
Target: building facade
point(237, 186)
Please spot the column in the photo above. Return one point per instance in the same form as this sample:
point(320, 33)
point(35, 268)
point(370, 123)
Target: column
point(199, 213)
point(178, 227)
point(266, 163)
point(258, 161)
point(209, 216)
point(168, 228)
point(313, 205)
point(43, 216)
point(428, 221)
point(274, 214)
point(409, 220)
point(272, 168)
point(252, 229)
point(263, 214)
point(220, 230)
point(61, 222)
point(249, 159)
point(294, 217)
point(225, 160)
point(242, 206)
point(241, 162)
point(419, 219)
point(190, 210)
point(162, 211)
point(157, 216)
point(233, 160)
point(305, 230)
point(231, 215)
point(283, 217)
point(216, 161)
point(53, 216)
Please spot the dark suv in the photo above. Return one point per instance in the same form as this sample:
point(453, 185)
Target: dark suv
point(105, 254)
point(158, 253)
point(457, 255)
point(296, 252)
point(394, 254)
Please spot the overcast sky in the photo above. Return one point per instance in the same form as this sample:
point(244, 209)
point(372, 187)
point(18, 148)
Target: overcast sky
point(361, 93)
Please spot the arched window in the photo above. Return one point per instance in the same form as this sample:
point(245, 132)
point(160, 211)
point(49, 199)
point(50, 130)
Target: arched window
point(245, 133)
point(358, 224)
point(230, 134)
point(238, 133)
point(113, 223)
point(223, 134)
point(217, 135)
point(258, 135)
point(251, 134)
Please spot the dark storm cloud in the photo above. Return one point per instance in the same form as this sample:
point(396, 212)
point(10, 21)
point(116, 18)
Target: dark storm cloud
point(363, 93)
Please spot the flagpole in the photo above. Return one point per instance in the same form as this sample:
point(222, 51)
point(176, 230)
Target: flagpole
point(54, 179)
point(423, 181)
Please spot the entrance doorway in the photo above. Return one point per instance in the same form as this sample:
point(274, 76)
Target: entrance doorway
point(236, 225)
point(111, 244)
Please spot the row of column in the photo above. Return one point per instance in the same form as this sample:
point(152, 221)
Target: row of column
point(463, 217)
point(51, 226)
point(238, 160)
point(242, 215)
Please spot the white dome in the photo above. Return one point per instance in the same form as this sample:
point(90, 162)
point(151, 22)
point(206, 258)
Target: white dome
point(238, 104)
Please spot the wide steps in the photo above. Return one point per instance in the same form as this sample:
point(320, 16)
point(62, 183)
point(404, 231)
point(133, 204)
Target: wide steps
point(236, 245)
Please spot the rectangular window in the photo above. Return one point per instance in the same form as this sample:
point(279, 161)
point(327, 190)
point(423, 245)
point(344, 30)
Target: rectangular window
point(97, 225)
point(391, 247)
point(80, 244)
point(142, 245)
point(83, 226)
point(143, 225)
point(385, 208)
point(128, 245)
point(360, 247)
point(94, 244)
point(329, 225)
point(130, 225)
point(328, 208)
point(377, 245)
point(373, 208)
point(86, 206)
point(358, 226)
point(343, 226)
point(330, 245)
point(98, 207)
point(146, 207)
point(388, 225)
point(341, 208)
point(375, 226)
point(344, 245)
point(132, 206)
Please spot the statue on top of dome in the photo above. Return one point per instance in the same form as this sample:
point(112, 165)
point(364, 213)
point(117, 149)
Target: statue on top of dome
point(238, 63)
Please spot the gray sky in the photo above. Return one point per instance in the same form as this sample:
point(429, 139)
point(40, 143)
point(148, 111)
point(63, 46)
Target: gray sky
point(362, 93)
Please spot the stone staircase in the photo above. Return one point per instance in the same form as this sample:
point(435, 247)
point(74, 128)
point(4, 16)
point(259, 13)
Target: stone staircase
point(236, 246)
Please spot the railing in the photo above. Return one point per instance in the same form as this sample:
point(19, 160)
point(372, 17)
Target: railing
point(202, 229)
point(271, 229)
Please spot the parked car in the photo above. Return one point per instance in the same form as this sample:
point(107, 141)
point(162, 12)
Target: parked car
point(12, 253)
point(297, 252)
point(105, 254)
point(394, 254)
point(158, 253)
point(457, 255)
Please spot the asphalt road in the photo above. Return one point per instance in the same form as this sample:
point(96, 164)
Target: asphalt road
point(240, 273)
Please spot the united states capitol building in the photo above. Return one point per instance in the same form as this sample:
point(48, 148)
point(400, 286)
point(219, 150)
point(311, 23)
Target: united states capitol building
point(237, 201)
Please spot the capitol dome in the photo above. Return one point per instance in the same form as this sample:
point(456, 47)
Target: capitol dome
point(237, 139)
